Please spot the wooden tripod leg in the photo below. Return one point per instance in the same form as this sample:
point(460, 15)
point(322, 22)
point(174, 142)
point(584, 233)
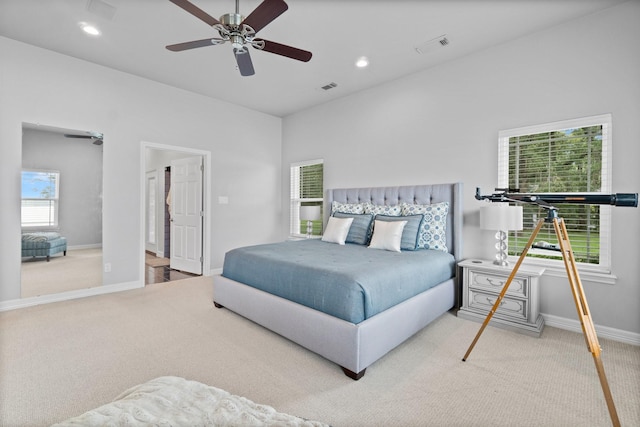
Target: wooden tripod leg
point(584, 314)
point(504, 288)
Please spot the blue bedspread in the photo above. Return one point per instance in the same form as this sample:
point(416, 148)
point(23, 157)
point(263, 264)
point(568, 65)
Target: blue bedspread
point(351, 282)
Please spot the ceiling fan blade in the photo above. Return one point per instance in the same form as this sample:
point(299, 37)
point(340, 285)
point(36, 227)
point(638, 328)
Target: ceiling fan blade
point(196, 11)
point(244, 62)
point(266, 12)
point(79, 136)
point(284, 50)
point(178, 47)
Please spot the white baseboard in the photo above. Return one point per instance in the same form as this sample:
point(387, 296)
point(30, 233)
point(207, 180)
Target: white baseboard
point(602, 331)
point(80, 247)
point(549, 319)
point(563, 323)
point(69, 295)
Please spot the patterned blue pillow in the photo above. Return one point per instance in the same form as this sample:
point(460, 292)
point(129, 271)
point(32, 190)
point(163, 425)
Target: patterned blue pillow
point(433, 230)
point(360, 230)
point(409, 241)
point(370, 208)
point(352, 208)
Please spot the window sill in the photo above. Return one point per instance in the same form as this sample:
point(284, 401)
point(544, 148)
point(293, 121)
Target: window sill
point(557, 269)
point(302, 237)
point(40, 228)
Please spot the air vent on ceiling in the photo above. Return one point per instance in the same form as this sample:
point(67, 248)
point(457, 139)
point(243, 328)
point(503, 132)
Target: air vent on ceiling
point(433, 44)
point(329, 86)
point(101, 8)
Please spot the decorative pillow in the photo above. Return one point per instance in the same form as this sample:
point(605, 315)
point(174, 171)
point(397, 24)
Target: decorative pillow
point(370, 208)
point(409, 241)
point(337, 230)
point(387, 235)
point(433, 230)
point(352, 208)
point(360, 230)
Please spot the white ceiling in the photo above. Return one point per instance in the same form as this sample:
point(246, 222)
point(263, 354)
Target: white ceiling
point(337, 32)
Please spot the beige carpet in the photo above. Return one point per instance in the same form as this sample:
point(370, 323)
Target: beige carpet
point(79, 269)
point(62, 359)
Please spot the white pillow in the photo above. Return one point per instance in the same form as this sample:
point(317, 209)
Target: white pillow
point(337, 230)
point(387, 235)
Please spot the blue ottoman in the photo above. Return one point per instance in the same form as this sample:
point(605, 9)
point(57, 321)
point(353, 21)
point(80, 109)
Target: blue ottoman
point(43, 244)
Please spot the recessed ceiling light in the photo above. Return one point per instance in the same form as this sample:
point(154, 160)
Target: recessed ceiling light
point(362, 62)
point(89, 29)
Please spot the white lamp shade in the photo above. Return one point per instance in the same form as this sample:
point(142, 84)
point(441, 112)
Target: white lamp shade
point(309, 213)
point(501, 217)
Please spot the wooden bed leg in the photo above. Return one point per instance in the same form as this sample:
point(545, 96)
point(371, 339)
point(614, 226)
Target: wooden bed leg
point(354, 376)
point(48, 258)
point(218, 305)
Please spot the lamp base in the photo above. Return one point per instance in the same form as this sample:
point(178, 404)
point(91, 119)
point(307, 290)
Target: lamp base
point(501, 246)
point(309, 229)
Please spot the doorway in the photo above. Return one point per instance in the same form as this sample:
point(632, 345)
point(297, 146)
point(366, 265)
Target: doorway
point(167, 242)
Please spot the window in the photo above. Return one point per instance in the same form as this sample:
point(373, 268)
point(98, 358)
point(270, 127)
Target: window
point(563, 157)
point(306, 190)
point(40, 198)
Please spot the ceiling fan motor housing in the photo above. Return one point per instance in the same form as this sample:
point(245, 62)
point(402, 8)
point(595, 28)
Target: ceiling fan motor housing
point(232, 20)
point(235, 31)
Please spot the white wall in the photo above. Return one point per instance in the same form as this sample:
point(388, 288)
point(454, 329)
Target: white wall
point(441, 125)
point(39, 86)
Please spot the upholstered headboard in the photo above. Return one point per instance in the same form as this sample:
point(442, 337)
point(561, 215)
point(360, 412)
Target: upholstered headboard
point(412, 194)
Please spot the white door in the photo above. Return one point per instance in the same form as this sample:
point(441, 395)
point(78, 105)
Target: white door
point(186, 214)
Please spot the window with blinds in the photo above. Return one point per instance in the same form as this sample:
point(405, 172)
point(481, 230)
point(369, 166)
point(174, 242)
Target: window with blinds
point(40, 198)
point(563, 157)
point(306, 190)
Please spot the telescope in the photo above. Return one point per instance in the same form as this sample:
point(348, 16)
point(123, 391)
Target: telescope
point(548, 200)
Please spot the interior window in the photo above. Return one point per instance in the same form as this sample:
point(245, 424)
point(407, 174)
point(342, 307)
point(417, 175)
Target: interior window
point(562, 157)
point(40, 199)
point(306, 190)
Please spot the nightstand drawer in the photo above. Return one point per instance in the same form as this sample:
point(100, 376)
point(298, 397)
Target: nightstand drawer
point(519, 285)
point(512, 307)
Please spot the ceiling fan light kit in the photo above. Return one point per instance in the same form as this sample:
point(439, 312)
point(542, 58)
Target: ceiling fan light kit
point(240, 32)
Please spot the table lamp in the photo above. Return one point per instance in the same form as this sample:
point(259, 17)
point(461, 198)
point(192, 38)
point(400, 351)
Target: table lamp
point(502, 218)
point(309, 214)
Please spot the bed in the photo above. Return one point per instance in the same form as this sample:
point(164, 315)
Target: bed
point(45, 243)
point(353, 338)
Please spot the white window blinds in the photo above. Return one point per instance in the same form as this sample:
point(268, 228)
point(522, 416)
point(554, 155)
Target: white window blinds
point(307, 189)
point(563, 157)
point(40, 198)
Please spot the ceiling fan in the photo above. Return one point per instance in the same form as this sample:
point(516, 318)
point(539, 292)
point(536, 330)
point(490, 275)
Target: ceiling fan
point(96, 137)
point(241, 33)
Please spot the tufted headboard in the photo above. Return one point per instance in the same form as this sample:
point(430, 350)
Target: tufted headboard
point(413, 194)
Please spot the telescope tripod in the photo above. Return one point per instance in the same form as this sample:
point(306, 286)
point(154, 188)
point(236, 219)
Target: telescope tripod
point(584, 315)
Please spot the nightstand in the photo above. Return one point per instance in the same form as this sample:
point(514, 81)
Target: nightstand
point(482, 282)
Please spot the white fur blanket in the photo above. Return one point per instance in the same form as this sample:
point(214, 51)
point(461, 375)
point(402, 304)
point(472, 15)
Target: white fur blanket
point(174, 401)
